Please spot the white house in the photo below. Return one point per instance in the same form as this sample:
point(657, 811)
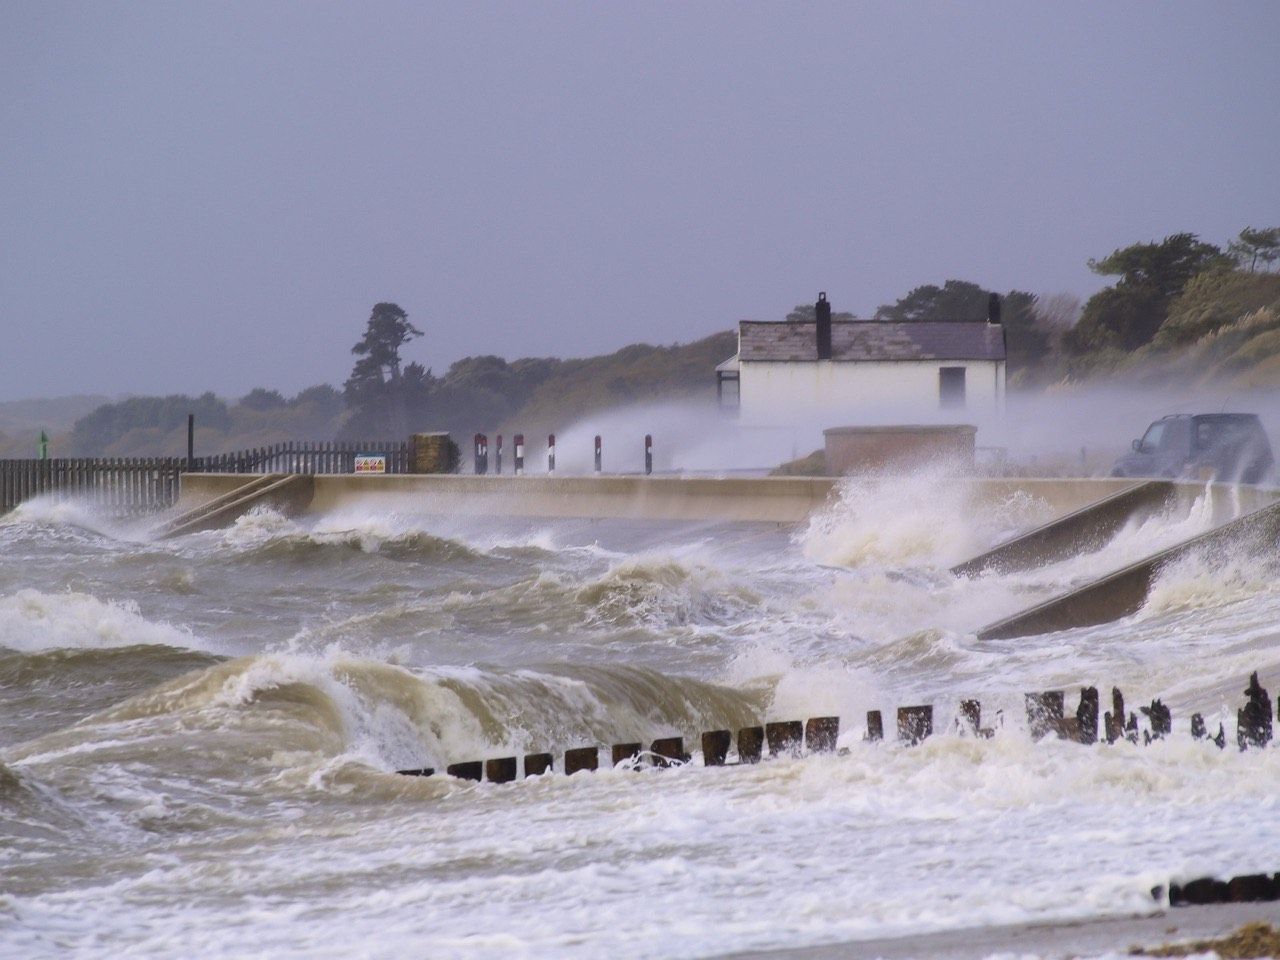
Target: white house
point(906, 371)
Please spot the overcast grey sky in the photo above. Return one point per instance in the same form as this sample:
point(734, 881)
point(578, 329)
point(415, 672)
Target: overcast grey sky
point(213, 195)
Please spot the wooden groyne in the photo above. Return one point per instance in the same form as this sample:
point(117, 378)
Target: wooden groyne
point(1046, 718)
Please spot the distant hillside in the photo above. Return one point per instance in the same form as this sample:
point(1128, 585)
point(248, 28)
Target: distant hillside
point(485, 394)
point(634, 374)
point(22, 420)
point(157, 426)
point(535, 394)
point(1223, 331)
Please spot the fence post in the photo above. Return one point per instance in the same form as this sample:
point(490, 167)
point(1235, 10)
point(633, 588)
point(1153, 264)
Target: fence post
point(482, 454)
point(191, 441)
point(598, 456)
point(518, 454)
point(551, 453)
point(648, 454)
point(497, 462)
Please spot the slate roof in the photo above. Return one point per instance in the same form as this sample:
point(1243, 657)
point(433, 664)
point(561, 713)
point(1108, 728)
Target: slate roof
point(873, 340)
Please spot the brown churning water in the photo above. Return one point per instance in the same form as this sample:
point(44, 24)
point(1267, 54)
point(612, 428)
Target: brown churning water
point(201, 735)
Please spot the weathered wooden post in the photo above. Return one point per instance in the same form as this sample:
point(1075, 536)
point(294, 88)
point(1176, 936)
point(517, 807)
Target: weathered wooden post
point(875, 726)
point(581, 758)
point(191, 442)
point(750, 744)
point(536, 764)
point(1113, 720)
point(784, 738)
point(1161, 720)
point(472, 770)
point(500, 770)
point(715, 747)
point(551, 453)
point(1044, 713)
point(625, 751)
point(497, 460)
point(915, 724)
point(518, 454)
point(599, 458)
point(1253, 723)
point(821, 733)
point(648, 454)
point(1087, 716)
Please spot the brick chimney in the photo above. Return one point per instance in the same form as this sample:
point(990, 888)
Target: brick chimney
point(822, 310)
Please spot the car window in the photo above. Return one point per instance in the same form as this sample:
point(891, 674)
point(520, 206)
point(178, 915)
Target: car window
point(1213, 433)
point(1152, 438)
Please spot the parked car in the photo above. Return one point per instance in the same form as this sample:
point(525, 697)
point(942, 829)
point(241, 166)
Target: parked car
point(1230, 447)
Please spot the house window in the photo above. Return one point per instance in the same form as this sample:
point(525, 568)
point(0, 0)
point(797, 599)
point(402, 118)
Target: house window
point(951, 387)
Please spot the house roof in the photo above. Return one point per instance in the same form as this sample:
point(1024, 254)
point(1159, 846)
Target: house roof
point(873, 340)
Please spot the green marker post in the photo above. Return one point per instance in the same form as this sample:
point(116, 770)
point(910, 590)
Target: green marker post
point(44, 445)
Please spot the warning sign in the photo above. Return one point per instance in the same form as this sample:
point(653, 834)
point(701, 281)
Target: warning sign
point(371, 463)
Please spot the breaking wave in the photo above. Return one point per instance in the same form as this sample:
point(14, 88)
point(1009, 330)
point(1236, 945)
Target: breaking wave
point(295, 716)
point(662, 590)
point(31, 620)
point(266, 535)
point(925, 519)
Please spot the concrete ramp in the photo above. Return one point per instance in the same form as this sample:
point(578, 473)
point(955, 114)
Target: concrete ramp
point(291, 492)
point(1082, 531)
point(1123, 592)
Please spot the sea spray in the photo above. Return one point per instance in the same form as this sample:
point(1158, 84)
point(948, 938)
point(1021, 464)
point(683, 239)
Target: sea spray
point(928, 516)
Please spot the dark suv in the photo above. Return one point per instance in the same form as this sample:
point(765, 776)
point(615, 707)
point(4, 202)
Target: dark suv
point(1220, 446)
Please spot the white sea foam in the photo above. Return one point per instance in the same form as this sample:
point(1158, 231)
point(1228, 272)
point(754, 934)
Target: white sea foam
point(31, 620)
point(73, 515)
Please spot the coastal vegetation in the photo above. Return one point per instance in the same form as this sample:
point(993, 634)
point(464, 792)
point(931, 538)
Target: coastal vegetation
point(1178, 310)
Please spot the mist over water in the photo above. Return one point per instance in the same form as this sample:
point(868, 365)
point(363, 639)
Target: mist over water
point(200, 735)
point(1069, 429)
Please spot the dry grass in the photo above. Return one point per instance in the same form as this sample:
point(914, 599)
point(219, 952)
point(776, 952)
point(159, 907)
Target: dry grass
point(1251, 940)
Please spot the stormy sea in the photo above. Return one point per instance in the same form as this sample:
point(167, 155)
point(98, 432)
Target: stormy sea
point(199, 737)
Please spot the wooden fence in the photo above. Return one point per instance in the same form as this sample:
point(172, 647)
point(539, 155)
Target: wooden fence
point(126, 486)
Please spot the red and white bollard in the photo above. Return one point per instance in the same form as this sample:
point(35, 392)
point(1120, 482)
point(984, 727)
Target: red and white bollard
point(551, 453)
point(518, 444)
point(482, 453)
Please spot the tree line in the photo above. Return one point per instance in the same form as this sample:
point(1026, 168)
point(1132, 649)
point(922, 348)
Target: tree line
point(1168, 295)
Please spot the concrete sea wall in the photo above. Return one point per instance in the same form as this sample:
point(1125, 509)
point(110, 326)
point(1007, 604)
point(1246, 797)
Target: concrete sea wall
point(762, 499)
